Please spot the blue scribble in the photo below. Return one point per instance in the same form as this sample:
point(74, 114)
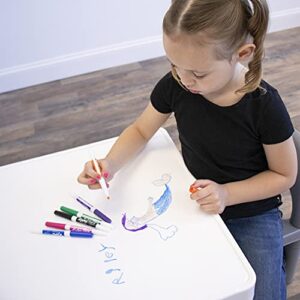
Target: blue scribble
point(155, 209)
point(112, 270)
point(118, 280)
point(164, 232)
point(163, 203)
point(110, 255)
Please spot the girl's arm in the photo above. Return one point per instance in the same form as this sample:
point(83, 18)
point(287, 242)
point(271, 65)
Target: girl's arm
point(283, 166)
point(281, 175)
point(130, 142)
point(135, 137)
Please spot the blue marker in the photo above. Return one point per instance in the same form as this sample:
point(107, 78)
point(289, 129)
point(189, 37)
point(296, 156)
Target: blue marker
point(68, 233)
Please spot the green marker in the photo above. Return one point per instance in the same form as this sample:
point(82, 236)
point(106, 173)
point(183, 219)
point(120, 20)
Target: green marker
point(79, 214)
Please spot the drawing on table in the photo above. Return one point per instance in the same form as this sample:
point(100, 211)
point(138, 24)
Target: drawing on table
point(155, 209)
point(109, 256)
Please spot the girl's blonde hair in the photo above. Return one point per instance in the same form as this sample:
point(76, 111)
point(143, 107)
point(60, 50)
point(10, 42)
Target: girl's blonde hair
point(229, 23)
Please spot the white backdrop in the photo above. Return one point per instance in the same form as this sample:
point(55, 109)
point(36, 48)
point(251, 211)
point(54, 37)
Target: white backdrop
point(41, 41)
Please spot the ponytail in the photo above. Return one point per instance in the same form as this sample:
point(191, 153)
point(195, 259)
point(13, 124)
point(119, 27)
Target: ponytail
point(257, 28)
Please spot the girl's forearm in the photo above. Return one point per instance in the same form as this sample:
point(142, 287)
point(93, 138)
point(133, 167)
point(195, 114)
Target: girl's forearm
point(129, 143)
point(258, 187)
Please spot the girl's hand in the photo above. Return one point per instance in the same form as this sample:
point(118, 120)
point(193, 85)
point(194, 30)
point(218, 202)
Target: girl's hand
point(211, 196)
point(90, 177)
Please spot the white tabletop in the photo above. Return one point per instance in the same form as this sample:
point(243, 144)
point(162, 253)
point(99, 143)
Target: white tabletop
point(197, 259)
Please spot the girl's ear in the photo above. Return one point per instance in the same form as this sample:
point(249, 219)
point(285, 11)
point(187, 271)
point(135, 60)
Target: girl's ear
point(245, 52)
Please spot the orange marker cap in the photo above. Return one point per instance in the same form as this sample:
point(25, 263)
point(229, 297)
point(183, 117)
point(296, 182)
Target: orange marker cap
point(193, 189)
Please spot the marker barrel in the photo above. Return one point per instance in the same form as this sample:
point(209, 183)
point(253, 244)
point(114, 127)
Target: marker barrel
point(104, 187)
point(94, 210)
point(80, 220)
point(79, 214)
point(68, 233)
point(73, 228)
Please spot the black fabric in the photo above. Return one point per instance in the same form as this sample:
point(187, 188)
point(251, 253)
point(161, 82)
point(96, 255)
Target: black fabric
point(224, 144)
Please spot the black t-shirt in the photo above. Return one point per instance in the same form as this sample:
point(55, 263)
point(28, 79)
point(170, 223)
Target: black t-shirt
point(224, 144)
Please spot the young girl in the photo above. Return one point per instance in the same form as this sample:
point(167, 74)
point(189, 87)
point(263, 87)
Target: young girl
point(235, 132)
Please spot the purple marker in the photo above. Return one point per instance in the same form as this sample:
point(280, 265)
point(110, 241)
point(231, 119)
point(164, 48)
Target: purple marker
point(94, 210)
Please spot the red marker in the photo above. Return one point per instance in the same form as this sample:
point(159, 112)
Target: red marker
point(72, 228)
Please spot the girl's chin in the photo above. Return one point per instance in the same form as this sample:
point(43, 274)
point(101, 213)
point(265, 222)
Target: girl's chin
point(195, 92)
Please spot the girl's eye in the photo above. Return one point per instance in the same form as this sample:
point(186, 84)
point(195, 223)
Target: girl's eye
point(199, 76)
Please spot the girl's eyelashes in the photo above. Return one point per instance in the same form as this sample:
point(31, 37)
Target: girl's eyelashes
point(194, 73)
point(198, 76)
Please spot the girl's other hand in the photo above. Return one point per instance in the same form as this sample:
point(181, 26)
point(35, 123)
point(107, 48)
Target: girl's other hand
point(90, 177)
point(211, 196)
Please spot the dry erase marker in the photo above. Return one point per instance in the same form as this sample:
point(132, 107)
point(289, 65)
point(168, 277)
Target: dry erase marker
point(67, 233)
point(72, 228)
point(96, 211)
point(80, 214)
point(77, 213)
point(80, 220)
point(101, 180)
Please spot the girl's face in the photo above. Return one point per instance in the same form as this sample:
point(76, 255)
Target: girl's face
point(197, 67)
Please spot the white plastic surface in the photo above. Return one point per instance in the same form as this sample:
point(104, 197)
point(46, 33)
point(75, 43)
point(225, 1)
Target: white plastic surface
point(200, 261)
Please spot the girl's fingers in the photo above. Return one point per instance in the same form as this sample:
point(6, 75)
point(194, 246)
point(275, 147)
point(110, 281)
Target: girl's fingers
point(209, 208)
point(204, 201)
point(90, 177)
point(95, 186)
point(84, 179)
point(90, 170)
point(200, 194)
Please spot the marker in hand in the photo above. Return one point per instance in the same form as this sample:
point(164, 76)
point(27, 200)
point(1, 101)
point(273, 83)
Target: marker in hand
point(101, 180)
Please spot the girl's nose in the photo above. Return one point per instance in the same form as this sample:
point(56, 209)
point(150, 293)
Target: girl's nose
point(187, 79)
point(188, 84)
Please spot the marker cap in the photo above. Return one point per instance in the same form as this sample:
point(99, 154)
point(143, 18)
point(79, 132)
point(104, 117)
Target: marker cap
point(81, 234)
point(102, 216)
point(192, 189)
point(69, 211)
point(63, 214)
point(55, 225)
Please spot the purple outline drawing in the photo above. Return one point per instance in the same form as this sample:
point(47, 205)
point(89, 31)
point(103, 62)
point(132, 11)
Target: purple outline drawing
point(155, 209)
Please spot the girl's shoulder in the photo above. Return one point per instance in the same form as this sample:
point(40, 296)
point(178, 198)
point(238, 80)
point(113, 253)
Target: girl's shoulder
point(267, 86)
point(274, 122)
point(167, 82)
point(265, 95)
point(165, 93)
point(266, 90)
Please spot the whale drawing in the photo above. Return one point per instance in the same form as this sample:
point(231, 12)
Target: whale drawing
point(154, 210)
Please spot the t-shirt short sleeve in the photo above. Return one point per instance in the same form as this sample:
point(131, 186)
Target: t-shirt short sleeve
point(161, 96)
point(275, 125)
